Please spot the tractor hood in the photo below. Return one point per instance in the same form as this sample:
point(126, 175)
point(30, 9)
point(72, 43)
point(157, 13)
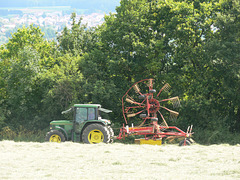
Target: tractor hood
point(61, 122)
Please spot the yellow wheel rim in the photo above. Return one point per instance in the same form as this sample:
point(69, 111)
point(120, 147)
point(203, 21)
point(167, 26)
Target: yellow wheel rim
point(95, 136)
point(55, 138)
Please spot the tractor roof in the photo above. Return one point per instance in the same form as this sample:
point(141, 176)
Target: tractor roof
point(87, 105)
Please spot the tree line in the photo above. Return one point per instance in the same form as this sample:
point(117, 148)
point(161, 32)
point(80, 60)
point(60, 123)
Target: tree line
point(192, 45)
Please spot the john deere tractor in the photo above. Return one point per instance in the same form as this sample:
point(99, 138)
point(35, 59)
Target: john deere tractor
point(87, 126)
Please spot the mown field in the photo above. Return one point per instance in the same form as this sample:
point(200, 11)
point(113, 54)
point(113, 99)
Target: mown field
point(22, 160)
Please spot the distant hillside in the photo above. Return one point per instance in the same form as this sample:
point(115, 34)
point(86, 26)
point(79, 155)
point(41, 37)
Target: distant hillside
point(103, 5)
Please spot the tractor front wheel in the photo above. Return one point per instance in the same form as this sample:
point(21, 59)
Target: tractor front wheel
point(95, 133)
point(55, 136)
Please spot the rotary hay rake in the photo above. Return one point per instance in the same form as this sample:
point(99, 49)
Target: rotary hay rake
point(140, 106)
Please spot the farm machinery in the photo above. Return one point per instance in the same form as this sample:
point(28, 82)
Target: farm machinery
point(87, 126)
point(142, 104)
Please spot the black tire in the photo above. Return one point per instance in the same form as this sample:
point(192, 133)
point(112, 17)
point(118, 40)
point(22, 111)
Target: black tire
point(111, 134)
point(55, 136)
point(184, 142)
point(95, 133)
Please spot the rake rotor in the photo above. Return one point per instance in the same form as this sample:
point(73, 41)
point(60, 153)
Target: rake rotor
point(139, 100)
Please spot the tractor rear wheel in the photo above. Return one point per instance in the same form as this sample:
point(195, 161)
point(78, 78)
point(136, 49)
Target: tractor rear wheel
point(55, 136)
point(95, 133)
point(111, 134)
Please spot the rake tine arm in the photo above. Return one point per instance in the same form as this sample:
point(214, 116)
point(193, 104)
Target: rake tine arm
point(159, 92)
point(174, 112)
point(175, 101)
point(170, 99)
point(128, 108)
point(132, 101)
point(134, 114)
point(163, 119)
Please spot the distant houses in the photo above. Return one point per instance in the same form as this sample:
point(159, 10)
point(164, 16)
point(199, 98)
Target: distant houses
point(56, 20)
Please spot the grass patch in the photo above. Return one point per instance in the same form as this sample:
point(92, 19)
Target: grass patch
point(22, 134)
point(219, 136)
point(159, 164)
point(233, 173)
point(174, 159)
point(117, 163)
point(213, 160)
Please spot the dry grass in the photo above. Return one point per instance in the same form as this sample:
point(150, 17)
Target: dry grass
point(21, 160)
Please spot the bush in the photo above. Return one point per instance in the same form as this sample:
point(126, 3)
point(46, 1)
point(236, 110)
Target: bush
point(218, 136)
point(22, 134)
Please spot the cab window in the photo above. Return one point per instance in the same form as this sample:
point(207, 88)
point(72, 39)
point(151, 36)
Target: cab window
point(81, 114)
point(91, 113)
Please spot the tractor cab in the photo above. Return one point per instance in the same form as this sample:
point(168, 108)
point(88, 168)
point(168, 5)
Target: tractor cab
point(85, 113)
point(86, 126)
point(88, 112)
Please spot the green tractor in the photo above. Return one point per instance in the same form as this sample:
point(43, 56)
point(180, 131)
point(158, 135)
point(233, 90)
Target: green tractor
point(87, 126)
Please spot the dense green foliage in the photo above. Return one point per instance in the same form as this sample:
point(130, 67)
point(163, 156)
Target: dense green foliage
point(193, 45)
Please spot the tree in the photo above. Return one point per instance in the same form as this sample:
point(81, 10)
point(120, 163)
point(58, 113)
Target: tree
point(77, 40)
point(24, 58)
point(20, 79)
point(223, 53)
point(26, 36)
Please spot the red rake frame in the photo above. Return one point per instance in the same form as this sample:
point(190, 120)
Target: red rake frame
point(174, 132)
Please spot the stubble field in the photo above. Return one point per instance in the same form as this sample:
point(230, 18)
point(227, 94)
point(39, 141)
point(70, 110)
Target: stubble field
point(24, 160)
